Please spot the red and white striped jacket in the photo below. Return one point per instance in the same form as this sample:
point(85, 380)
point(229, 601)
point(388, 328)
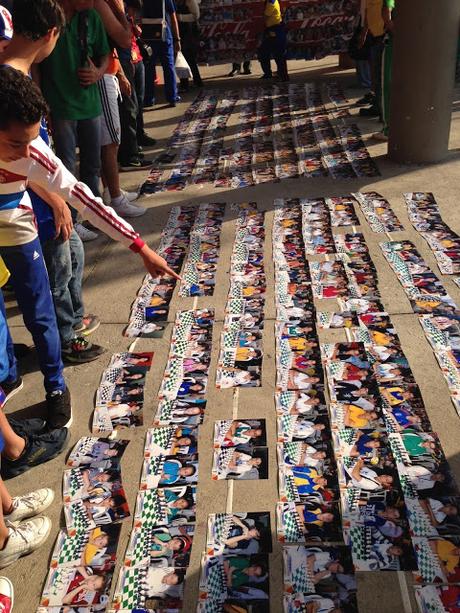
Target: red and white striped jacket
point(17, 221)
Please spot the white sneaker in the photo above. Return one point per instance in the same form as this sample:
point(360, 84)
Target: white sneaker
point(106, 198)
point(126, 209)
point(25, 538)
point(85, 234)
point(30, 505)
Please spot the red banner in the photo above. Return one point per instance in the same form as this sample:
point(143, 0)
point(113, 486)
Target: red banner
point(231, 31)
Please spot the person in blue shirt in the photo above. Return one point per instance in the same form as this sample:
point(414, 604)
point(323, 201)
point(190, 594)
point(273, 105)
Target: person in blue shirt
point(161, 30)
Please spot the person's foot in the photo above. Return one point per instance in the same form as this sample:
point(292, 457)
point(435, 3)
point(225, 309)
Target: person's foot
point(11, 388)
point(234, 71)
point(58, 409)
point(369, 98)
point(267, 76)
point(25, 427)
point(40, 448)
point(6, 595)
point(370, 111)
point(29, 505)
point(85, 234)
point(380, 136)
point(147, 141)
point(247, 71)
point(80, 351)
point(149, 104)
point(136, 164)
point(107, 199)
point(25, 538)
point(89, 324)
point(127, 209)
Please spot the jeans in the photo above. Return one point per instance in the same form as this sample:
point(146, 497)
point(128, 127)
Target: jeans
point(376, 51)
point(363, 71)
point(129, 149)
point(86, 133)
point(163, 51)
point(29, 280)
point(65, 261)
point(139, 90)
point(273, 45)
point(8, 362)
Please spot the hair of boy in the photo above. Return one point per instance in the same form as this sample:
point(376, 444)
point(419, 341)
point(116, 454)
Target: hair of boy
point(33, 19)
point(21, 100)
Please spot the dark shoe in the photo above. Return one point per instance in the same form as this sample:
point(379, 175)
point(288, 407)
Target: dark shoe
point(234, 71)
point(89, 324)
point(267, 76)
point(136, 164)
point(147, 141)
point(247, 71)
point(21, 350)
point(25, 427)
point(58, 409)
point(11, 389)
point(80, 351)
point(370, 111)
point(369, 98)
point(39, 448)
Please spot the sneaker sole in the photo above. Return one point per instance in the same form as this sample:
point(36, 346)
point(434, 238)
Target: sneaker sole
point(73, 360)
point(87, 331)
point(14, 392)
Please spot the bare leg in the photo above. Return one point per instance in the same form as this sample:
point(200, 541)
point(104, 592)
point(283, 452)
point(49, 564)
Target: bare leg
point(109, 157)
point(14, 444)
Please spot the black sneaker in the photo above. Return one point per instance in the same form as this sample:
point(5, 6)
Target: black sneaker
point(24, 427)
point(80, 351)
point(267, 76)
point(11, 389)
point(39, 448)
point(59, 409)
point(370, 111)
point(21, 350)
point(147, 141)
point(369, 98)
point(136, 164)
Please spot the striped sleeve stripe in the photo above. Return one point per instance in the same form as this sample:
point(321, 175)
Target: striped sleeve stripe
point(94, 206)
point(43, 160)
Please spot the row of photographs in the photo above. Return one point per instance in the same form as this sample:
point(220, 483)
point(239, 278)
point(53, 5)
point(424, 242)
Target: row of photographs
point(378, 212)
point(84, 556)
point(199, 274)
point(275, 141)
point(426, 217)
point(158, 553)
point(195, 149)
point(150, 309)
point(241, 351)
point(318, 574)
point(373, 467)
point(438, 313)
point(120, 395)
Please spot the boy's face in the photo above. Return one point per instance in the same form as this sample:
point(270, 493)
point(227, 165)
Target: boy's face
point(15, 141)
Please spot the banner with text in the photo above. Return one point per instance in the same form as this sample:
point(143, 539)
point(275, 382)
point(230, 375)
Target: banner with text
point(231, 30)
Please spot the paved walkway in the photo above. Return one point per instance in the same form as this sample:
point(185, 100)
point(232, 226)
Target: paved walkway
point(113, 276)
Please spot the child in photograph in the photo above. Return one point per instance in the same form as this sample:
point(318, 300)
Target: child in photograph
point(164, 582)
point(240, 571)
point(85, 589)
point(241, 433)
